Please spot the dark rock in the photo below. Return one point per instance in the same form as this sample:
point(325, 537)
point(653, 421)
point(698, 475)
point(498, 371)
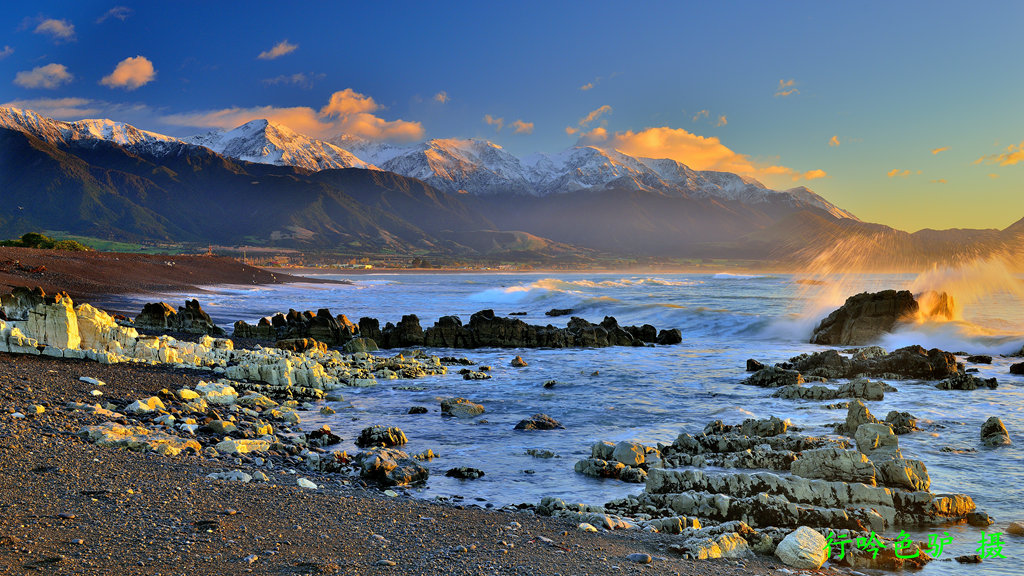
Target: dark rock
point(418, 410)
point(774, 377)
point(381, 436)
point(754, 365)
point(864, 317)
point(908, 362)
point(17, 304)
point(979, 359)
point(1017, 368)
point(559, 312)
point(391, 467)
point(967, 382)
point(323, 437)
point(979, 519)
point(901, 422)
point(969, 559)
point(464, 473)
point(357, 345)
point(518, 362)
point(550, 383)
point(539, 422)
point(669, 337)
point(160, 318)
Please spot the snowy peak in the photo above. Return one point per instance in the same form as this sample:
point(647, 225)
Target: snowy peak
point(83, 131)
point(264, 142)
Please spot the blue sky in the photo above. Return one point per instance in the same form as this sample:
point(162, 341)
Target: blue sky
point(904, 113)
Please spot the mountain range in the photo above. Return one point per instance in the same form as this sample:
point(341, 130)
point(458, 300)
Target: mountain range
point(263, 183)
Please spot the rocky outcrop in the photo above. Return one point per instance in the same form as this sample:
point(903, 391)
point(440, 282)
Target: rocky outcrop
point(967, 382)
point(994, 433)
point(484, 329)
point(161, 318)
point(21, 300)
point(1017, 368)
point(864, 317)
point(908, 362)
point(860, 388)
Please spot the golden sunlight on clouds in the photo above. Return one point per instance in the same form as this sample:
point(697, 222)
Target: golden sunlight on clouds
point(59, 30)
point(697, 152)
point(441, 97)
point(522, 127)
point(897, 173)
point(46, 77)
point(722, 121)
point(59, 107)
point(834, 141)
point(1014, 154)
point(347, 112)
point(498, 123)
point(702, 114)
point(130, 74)
point(939, 181)
point(787, 88)
point(279, 49)
point(938, 150)
point(588, 119)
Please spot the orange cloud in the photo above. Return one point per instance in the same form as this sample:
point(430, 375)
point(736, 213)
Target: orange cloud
point(588, 119)
point(722, 121)
point(697, 152)
point(130, 73)
point(279, 49)
point(896, 172)
point(59, 30)
point(522, 127)
point(993, 176)
point(587, 86)
point(939, 181)
point(787, 88)
point(834, 141)
point(498, 123)
point(347, 112)
point(48, 77)
point(937, 150)
point(1014, 154)
point(702, 114)
point(441, 97)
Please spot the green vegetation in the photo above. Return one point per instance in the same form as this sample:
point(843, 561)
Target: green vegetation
point(37, 240)
point(103, 245)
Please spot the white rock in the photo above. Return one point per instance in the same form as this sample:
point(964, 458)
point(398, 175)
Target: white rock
point(308, 484)
point(91, 380)
point(804, 548)
point(233, 475)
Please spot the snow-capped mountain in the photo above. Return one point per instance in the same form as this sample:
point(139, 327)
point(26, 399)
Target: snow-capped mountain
point(264, 142)
point(84, 131)
point(453, 165)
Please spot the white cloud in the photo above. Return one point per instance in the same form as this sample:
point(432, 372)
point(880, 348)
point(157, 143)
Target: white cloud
point(48, 77)
point(60, 108)
point(7, 51)
point(279, 49)
point(300, 79)
point(59, 30)
point(130, 74)
point(119, 12)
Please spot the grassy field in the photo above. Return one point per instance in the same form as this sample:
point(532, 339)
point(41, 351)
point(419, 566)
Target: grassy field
point(114, 246)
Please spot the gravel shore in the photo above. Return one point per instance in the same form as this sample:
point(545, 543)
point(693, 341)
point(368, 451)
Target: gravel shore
point(68, 506)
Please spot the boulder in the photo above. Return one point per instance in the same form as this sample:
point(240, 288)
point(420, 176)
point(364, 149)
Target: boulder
point(160, 318)
point(980, 359)
point(907, 362)
point(391, 467)
point(539, 422)
point(903, 473)
point(754, 365)
point(357, 345)
point(323, 437)
point(460, 408)
point(878, 442)
point(804, 548)
point(670, 337)
point(1017, 368)
point(901, 422)
point(834, 463)
point(994, 433)
point(865, 317)
point(518, 362)
point(629, 453)
point(857, 414)
point(137, 439)
point(381, 436)
point(54, 324)
point(21, 300)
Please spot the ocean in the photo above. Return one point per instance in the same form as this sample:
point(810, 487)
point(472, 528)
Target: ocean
point(652, 394)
